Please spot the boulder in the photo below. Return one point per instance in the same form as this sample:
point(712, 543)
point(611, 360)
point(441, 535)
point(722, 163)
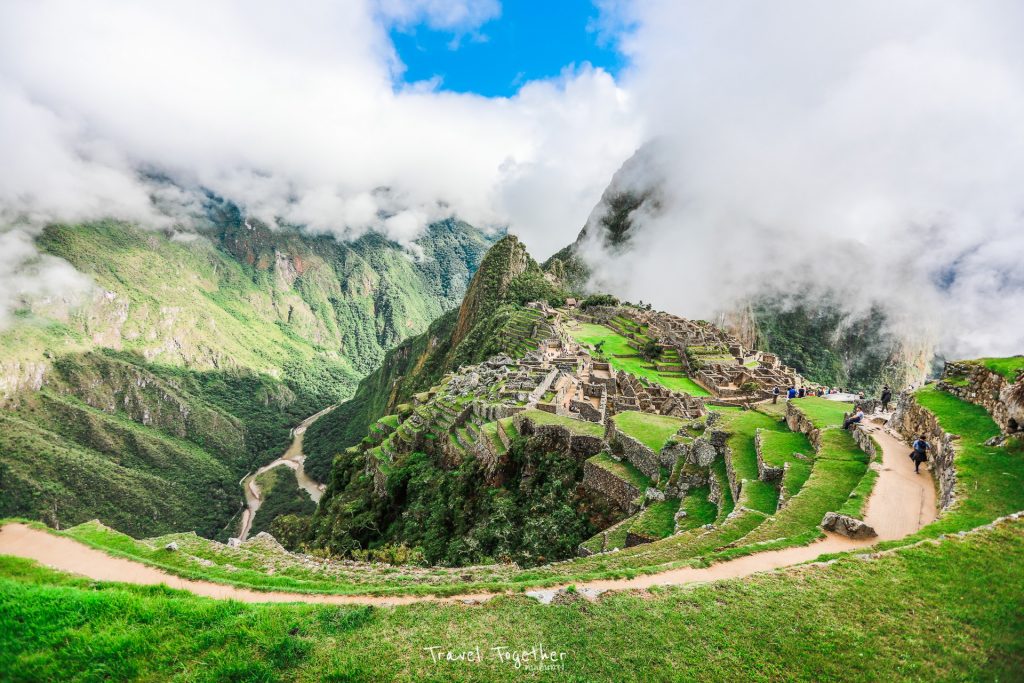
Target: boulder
point(847, 526)
point(172, 546)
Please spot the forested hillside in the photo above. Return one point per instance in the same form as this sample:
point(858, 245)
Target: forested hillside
point(193, 355)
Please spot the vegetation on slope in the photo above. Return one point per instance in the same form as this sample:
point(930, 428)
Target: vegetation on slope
point(923, 613)
point(507, 279)
point(226, 341)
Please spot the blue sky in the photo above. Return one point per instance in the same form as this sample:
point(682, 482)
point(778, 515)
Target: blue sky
point(530, 40)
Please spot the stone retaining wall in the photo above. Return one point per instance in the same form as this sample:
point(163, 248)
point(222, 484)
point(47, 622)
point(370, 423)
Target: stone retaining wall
point(911, 419)
point(798, 422)
point(985, 388)
point(766, 472)
point(622, 493)
point(639, 455)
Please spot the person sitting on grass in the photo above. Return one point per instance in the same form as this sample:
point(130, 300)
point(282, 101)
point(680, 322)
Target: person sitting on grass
point(791, 394)
point(920, 453)
point(853, 419)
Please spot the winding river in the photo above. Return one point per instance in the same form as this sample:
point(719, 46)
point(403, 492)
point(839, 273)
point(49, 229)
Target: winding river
point(293, 458)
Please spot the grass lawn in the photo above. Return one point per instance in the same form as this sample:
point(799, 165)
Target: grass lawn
point(651, 430)
point(623, 470)
point(822, 412)
point(579, 426)
point(755, 494)
point(924, 613)
point(657, 520)
point(990, 480)
point(1007, 367)
point(624, 357)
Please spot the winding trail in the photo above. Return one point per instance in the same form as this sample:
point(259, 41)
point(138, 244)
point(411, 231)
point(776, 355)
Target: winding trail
point(900, 504)
point(294, 459)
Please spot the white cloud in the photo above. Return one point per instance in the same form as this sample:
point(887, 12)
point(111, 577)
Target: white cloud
point(875, 148)
point(293, 112)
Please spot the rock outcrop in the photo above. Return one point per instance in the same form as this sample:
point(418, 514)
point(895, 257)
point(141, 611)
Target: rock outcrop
point(847, 526)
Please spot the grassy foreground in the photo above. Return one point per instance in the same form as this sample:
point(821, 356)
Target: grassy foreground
point(947, 611)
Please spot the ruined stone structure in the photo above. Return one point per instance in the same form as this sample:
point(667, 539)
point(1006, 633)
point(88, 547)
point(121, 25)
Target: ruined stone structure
point(974, 382)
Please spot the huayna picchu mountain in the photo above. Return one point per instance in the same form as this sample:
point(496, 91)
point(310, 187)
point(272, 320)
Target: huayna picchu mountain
point(192, 357)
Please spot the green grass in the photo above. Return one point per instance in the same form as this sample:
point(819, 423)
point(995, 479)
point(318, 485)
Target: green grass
point(822, 412)
point(777, 447)
point(622, 356)
point(653, 431)
point(990, 480)
point(1007, 367)
point(754, 494)
point(581, 427)
point(839, 467)
point(924, 613)
point(699, 510)
point(623, 470)
point(657, 520)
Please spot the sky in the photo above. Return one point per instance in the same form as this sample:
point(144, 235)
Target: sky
point(873, 149)
point(524, 41)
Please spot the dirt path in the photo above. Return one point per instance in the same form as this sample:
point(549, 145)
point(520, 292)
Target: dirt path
point(293, 458)
point(901, 503)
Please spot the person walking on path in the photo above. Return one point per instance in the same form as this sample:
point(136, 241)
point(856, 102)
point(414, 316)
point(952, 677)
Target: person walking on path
point(886, 397)
point(775, 395)
point(920, 453)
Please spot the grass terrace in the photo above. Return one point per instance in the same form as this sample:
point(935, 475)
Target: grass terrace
point(930, 615)
point(822, 412)
point(622, 356)
point(1009, 368)
point(621, 469)
point(653, 431)
point(581, 427)
point(657, 520)
point(743, 425)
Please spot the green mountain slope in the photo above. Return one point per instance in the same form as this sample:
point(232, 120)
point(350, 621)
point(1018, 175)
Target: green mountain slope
point(191, 359)
point(507, 278)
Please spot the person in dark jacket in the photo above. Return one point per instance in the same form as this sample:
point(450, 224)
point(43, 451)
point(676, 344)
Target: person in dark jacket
point(801, 393)
point(886, 397)
point(920, 453)
point(775, 395)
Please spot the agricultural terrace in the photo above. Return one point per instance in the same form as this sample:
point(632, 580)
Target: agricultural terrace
point(618, 351)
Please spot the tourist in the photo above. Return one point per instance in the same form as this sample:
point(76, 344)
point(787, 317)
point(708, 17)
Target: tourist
point(801, 393)
point(853, 419)
point(886, 397)
point(920, 453)
point(775, 395)
point(791, 394)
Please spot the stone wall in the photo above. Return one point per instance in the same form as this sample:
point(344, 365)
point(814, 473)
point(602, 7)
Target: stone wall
point(798, 422)
point(975, 383)
point(560, 438)
point(911, 419)
point(765, 472)
point(865, 442)
point(622, 493)
point(639, 455)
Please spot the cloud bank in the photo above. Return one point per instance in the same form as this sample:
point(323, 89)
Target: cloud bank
point(870, 148)
point(294, 113)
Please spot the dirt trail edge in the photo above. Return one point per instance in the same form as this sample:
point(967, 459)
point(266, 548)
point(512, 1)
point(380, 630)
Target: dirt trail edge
point(900, 504)
point(293, 458)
